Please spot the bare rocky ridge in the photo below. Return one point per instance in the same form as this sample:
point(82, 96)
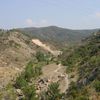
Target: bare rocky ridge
point(46, 47)
point(16, 49)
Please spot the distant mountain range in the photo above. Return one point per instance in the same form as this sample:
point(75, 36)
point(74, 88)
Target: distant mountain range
point(58, 35)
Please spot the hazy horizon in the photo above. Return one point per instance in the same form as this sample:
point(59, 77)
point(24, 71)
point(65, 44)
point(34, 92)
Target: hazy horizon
point(49, 26)
point(69, 14)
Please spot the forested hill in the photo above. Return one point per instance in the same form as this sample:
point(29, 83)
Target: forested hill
point(58, 35)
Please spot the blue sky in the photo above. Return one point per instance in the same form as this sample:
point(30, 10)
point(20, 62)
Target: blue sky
point(74, 14)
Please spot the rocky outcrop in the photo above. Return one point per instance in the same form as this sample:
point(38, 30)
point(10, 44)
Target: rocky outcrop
point(85, 81)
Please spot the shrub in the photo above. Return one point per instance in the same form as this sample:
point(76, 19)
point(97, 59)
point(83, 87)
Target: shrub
point(37, 71)
point(82, 98)
point(40, 56)
point(76, 93)
point(97, 85)
point(21, 82)
point(30, 92)
point(29, 71)
point(53, 92)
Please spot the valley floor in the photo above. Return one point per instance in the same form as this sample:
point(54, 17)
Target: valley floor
point(53, 73)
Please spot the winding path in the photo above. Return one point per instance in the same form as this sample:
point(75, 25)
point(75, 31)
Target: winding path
point(56, 73)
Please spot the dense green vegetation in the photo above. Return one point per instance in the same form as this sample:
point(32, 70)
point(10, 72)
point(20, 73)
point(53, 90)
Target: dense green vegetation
point(22, 82)
point(86, 60)
point(57, 36)
point(30, 72)
point(52, 93)
point(96, 85)
point(30, 93)
point(42, 57)
point(75, 93)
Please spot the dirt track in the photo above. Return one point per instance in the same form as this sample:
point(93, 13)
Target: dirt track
point(55, 73)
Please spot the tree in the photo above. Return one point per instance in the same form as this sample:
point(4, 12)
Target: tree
point(29, 71)
point(37, 71)
point(53, 92)
point(97, 85)
point(21, 82)
point(40, 56)
point(30, 93)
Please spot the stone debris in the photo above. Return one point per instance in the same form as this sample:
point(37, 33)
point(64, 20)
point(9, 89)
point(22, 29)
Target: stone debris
point(42, 83)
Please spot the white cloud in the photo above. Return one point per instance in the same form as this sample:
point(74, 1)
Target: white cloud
point(41, 23)
point(29, 22)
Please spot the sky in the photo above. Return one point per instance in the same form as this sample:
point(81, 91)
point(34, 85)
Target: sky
point(73, 14)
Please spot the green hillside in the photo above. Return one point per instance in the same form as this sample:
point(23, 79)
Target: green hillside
point(85, 60)
point(57, 35)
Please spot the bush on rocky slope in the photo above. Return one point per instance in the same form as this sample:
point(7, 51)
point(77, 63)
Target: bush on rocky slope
point(86, 60)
